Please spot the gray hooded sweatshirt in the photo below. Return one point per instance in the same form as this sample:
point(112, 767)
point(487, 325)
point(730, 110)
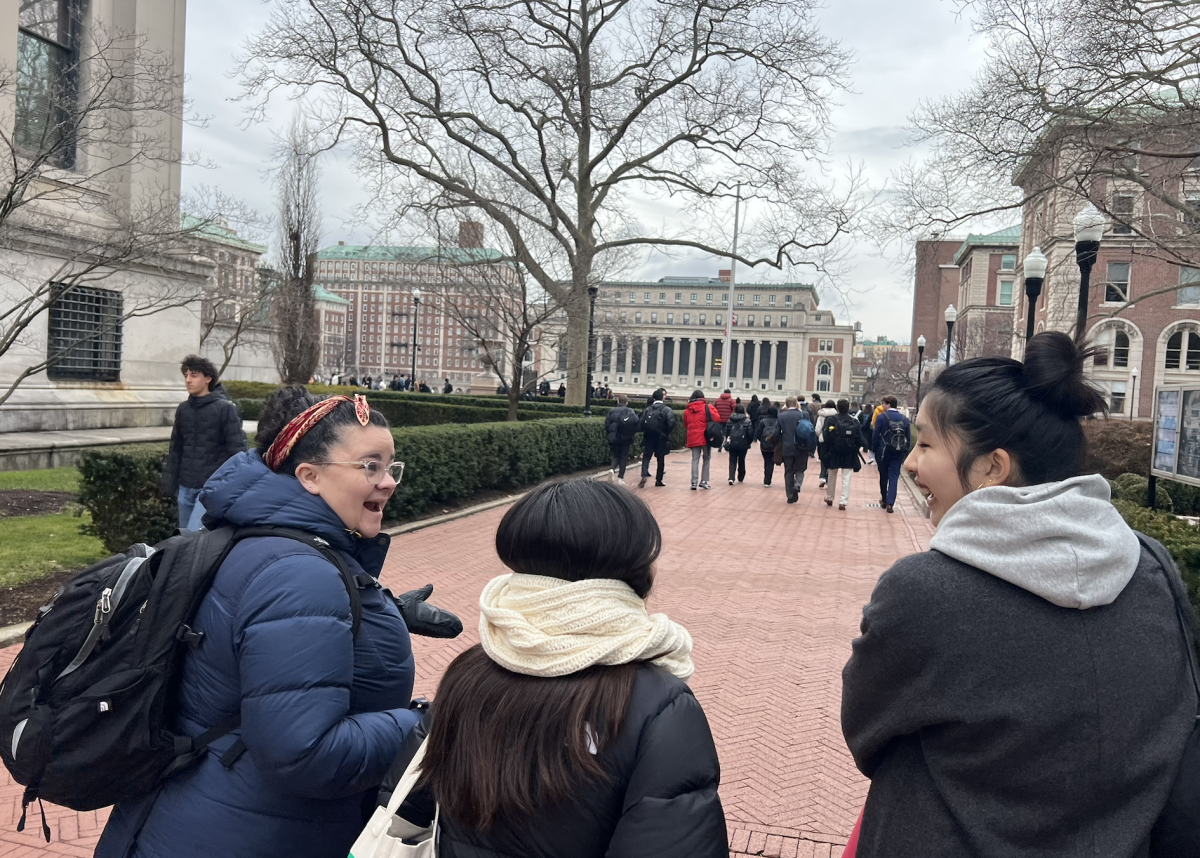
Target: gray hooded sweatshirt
point(1021, 689)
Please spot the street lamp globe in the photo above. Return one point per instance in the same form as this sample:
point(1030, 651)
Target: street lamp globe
point(1089, 224)
point(1035, 264)
point(921, 343)
point(951, 315)
point(416, 293)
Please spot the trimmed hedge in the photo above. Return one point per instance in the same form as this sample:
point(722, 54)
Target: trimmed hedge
point(119, 485)
point(1179, 538)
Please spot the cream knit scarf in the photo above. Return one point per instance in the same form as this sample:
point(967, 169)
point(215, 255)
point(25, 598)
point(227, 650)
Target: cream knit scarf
point(540, 626)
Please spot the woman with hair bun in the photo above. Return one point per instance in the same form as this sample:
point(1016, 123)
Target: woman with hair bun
point(323, 708)
point(1022, 688)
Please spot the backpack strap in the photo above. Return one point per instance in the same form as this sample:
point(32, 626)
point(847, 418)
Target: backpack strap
point(353, 583)
point(1182, 613)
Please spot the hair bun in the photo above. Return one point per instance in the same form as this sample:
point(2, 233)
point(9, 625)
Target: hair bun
point(1053, 376)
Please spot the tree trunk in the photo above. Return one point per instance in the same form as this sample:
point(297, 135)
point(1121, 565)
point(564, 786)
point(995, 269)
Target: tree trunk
point(577, 341)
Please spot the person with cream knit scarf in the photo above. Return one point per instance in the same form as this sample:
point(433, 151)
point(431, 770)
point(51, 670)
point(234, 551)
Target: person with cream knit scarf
point(570, 729)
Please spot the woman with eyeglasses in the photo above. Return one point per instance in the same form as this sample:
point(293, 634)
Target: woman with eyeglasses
point(323, 708)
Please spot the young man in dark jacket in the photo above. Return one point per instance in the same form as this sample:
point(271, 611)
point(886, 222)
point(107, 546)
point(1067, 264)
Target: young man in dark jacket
point(208, 430)
point(739, 436)
point(621, 426)
point(891, 442)
point(764, 434)
point(657, 424)
point(795, 456)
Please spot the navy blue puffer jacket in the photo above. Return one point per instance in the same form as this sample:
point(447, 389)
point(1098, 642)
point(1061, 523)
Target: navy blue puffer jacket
point(323, 713)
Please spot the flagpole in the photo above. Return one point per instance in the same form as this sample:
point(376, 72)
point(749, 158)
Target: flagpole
point(737, 208)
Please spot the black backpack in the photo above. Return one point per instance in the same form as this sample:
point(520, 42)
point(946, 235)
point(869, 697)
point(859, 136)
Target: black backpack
point(85, 709)
point(657, 419)
point(741, 434)
point(894, 437)
point(714, 431)
point(627, 425)
point(842, 433)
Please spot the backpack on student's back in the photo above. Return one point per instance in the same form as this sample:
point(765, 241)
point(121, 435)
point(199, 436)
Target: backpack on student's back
point(86, 707)
point(657, 419)
point(894, 437)
point(842, 434)
point(805, 435)
point(627, 425)
point(741, 435)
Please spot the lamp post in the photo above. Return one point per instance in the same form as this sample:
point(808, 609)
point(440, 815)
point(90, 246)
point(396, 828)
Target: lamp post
point(416, 295)
point(1089, 229)
point(951, 317)
point(920, 366)
point(1034, 269)
point(587, 391)
point(1133, 394)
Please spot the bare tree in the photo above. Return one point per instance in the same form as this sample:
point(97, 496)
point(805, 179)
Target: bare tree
point(297, 337)
point(1079, 100)
point(506, 319)
point(557, 118)
point(82, 129)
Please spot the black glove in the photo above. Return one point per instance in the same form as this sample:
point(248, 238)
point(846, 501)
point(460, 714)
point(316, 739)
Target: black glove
point(423, 618)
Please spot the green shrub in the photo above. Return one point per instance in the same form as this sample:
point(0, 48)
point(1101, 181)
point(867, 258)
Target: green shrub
point(1116, 447)
point(1135, 488)
point(1179, 538)
point(119, 487)
point(250, 409)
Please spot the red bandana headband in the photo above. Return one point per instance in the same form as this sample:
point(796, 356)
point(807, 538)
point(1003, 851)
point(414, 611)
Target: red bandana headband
point(298, 427)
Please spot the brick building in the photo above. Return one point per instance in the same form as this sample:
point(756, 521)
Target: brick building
point(670, 333)
point(377, 283)
point(987, 289)
point(935, 287)
point(1144, 306)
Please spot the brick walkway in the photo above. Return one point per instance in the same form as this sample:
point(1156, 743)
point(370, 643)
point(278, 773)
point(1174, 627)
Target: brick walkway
point(772, 595)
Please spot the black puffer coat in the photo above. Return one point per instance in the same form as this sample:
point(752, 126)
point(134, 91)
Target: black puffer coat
point(765, 433)
point(661, 799)
point(208, 431)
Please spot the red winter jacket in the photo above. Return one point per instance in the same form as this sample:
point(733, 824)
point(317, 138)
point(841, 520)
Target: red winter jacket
point(695, 422)
point(724, 406)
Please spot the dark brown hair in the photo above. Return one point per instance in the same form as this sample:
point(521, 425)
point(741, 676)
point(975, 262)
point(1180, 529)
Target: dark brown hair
point(288, 402)
point(195, 363)
point(503, 744)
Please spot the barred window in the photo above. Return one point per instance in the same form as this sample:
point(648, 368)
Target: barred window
point(85, 335)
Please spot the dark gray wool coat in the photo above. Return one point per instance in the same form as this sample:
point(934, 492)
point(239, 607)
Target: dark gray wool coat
point(993, 723)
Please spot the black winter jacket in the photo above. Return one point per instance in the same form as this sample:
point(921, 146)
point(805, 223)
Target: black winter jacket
point(765, 433)
point(661, 799)
point(616, 419)
point(207, 432)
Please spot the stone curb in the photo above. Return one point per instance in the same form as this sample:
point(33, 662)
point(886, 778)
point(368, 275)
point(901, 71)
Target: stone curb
point(468, 511)
point(13, 634)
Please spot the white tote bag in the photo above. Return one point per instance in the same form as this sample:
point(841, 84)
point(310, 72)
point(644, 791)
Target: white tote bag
point(389, 836)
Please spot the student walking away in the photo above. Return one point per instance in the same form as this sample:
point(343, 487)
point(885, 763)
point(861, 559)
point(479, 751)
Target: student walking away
point(322, 690)
point(447, 387)
point(562, 389)
point(767, 434)
point(621, 426)
point(798, 440)
point(841, 436)
point(207, 431)
point(754, 411)
point(697, 418)
point(824, 413)
point(657, 425)
point(725, 406)
point(1022, 688)
point(740, 436)
point(891, 442)
point(586, 742)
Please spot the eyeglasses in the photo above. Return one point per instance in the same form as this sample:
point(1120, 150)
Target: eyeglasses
point(374, 470)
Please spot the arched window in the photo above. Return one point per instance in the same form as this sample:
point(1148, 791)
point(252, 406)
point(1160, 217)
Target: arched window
point(1113, 344)
point(1177, 356)
point(824, 376)
point(1121, 349)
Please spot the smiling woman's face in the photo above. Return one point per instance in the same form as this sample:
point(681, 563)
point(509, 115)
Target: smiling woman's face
point(933, 465)
point(346, 489)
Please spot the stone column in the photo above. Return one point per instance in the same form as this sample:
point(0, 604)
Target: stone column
point(658, 358)
point(771, 368)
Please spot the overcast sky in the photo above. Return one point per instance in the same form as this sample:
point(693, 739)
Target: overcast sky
point(904, 50)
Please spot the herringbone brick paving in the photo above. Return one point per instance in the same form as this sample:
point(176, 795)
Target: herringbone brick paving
point(772, 595)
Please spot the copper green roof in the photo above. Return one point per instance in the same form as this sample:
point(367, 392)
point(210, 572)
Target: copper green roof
point(386, 253)
point(1007, 237)
point(219, 234)
point(322, 294)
